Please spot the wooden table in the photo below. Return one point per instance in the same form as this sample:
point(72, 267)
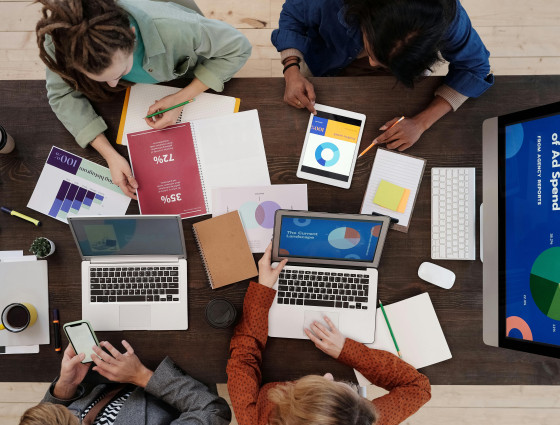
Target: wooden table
point(202, 351)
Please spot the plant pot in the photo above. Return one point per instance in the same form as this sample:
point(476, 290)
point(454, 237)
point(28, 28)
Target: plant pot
point(52, 248)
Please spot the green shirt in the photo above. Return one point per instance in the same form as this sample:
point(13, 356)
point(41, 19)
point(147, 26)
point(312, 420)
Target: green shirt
point(177, 43)
point(137, 74)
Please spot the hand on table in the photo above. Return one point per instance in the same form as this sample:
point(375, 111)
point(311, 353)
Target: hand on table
point(327, 339)
point(268, 275)
point(122, 174)
point(402, 136)
point(168, 118)
point(299, 92)
point(119, 367)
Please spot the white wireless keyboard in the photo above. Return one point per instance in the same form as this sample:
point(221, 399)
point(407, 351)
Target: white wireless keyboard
point(453, 214)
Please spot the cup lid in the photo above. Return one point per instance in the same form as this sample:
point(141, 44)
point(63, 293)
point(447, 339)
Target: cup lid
point(220, 313)
point(3, 137)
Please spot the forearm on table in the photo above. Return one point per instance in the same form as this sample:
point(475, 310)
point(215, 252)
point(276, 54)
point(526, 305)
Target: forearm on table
point(437, 108)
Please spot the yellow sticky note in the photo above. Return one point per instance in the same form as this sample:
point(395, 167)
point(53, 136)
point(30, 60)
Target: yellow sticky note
point(404, 200)
point(389, 195)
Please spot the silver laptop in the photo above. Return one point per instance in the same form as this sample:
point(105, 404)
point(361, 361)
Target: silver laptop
point(134, 271)
point(332, 271)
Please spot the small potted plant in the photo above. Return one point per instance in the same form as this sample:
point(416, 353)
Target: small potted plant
point(42, 247)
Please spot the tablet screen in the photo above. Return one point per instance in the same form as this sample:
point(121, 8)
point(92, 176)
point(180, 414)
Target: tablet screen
point(532, 236)
point(331, 143)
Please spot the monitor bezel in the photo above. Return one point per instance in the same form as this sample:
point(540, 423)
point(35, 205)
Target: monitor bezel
point(384, 220)
point(503, 340)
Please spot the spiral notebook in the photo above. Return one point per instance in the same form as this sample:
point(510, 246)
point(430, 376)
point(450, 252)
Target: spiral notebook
point(177, 167)
point(224, 249)
point(140, 97)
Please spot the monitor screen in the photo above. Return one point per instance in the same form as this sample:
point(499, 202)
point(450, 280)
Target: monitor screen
point(128, 236)
point(329, 238)
point(530, 203)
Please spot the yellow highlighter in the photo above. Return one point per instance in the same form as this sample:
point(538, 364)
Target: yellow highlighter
point(20, 215)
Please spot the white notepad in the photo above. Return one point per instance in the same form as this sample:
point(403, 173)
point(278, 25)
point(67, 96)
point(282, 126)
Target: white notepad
point(416, 329)
point(400, 169)
point(142, 96)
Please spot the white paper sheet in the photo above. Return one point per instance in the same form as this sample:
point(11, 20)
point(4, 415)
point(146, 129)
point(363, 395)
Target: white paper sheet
point(402, 170)
point(142, 96)
point(20, 349)
point(257, 206)
point(416, 329)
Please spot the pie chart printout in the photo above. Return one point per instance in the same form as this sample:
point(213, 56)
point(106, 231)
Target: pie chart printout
point(545, 282)
point(344, 238)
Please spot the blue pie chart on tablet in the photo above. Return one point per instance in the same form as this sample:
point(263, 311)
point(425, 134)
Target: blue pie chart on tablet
point(327, 154)
point(344, 238)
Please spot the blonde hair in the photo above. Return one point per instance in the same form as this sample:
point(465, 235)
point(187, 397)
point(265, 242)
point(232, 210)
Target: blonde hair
point(48, 414)
point(314, 400)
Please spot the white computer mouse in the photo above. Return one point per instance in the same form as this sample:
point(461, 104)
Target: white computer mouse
point(436, 275)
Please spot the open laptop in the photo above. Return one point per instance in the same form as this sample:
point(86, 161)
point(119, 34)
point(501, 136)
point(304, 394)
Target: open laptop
point(134, 271)
point(331, 271)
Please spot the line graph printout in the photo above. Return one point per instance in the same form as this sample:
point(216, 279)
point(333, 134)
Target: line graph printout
point(71, 185)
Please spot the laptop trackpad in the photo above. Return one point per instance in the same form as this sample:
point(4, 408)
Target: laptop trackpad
point(319, 316)
point(134, 316)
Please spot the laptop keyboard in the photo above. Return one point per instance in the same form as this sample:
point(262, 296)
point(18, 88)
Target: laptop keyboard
point(323, 289)
point(134, 284)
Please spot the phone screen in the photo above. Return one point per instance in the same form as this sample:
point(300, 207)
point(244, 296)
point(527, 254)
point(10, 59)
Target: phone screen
point(82, 340)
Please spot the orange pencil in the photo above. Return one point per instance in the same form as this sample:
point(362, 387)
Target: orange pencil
point(373, 143)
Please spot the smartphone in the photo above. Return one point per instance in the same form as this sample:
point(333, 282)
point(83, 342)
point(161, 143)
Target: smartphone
point(81, 336)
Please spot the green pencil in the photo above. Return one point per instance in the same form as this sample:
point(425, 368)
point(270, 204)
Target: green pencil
point(390, 330)
point(169, 109)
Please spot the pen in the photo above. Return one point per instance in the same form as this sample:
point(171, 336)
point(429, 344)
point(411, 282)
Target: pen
point(393, 220)
point(390, 330)
point(169, 109)
point(373, 143)
point(20, 215)
point(56, 331)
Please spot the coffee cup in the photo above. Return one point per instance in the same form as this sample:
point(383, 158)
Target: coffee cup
point(17, 317)
point(7, 143)
point(220, 313)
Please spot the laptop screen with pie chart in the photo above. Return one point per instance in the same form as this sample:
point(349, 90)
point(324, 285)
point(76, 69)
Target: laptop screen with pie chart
point(328, 238)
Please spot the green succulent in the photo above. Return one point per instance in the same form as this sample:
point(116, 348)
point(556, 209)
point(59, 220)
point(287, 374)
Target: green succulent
point(41, 247)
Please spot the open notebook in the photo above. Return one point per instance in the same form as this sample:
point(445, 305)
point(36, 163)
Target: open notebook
point(177, 167)
point(141, 96)
point(398, 169)
point(417, 331)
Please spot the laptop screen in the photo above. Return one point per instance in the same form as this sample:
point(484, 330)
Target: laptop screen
point(128, 235)
point(329, 238)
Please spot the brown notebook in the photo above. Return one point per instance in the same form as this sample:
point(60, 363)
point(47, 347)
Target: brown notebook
point(224, 249)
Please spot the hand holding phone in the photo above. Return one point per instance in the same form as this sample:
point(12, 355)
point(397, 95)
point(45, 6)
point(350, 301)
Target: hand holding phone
point(82, 338)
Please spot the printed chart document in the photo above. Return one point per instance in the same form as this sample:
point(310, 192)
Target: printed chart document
point(71, 185)
point(141, 96)
point(257, 206)
point(178, 166)
point(417, 331)
point(398, 170)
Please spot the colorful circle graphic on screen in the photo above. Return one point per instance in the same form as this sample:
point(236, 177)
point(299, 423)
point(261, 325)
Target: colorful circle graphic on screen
point(516, 325)
point(545, 282)
point(264, 214)
point(376, 230)
point(302, 222)
point(327, 154)
point(344, 238)
point(514, 139)
point(352, 257)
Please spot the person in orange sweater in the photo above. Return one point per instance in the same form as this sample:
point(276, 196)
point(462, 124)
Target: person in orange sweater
point(314, 400)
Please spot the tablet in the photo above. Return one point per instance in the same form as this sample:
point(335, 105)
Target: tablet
point(331, 146)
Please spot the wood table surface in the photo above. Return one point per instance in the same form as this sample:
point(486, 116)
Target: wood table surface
point(203, 351)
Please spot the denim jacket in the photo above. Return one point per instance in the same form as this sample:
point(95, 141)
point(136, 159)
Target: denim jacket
point(178, 42)
point(318, 29)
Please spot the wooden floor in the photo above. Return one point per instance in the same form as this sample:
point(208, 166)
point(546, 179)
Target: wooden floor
point(522, 37)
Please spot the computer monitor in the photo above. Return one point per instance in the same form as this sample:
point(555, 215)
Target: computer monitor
point(521, 230)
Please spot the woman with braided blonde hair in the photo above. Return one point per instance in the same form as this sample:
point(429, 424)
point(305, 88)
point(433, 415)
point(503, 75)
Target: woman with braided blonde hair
point(94, 48)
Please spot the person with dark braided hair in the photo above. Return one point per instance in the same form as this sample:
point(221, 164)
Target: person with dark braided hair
point(94, 48)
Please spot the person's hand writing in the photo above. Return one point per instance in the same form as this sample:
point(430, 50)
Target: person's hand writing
point(72, 373)
point(167, 118)
point(299, 92)
point(402, 136)
point(328, 340)
point(122, 174)
point(119, 367)
point(268, 275)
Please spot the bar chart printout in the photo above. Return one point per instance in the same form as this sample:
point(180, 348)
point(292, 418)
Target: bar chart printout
point(70, 185)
